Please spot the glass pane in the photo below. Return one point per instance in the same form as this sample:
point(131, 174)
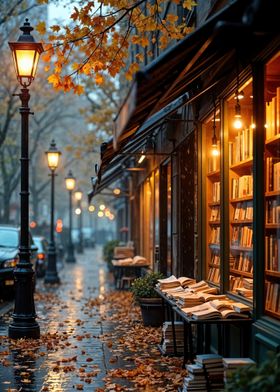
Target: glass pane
point(240, 132)
point(272, 187)
point(211, 133)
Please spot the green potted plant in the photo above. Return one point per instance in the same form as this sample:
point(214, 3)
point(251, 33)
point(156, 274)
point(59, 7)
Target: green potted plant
point(150, 303)
point(262, 378)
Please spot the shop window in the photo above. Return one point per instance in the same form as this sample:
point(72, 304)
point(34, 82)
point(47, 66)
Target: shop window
point(147, 226)
point(240, 161)
point(212, 143)
point(272, 187)
point(169, 220)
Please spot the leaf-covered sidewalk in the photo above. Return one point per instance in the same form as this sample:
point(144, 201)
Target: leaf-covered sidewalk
point(92, 339)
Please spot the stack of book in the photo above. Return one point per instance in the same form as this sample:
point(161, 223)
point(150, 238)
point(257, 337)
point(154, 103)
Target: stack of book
point(232, 364)
point(214, 370)
point(196, 380)
point(187, 300)
point(217, 309)
point(172, 281)
point(167, 345)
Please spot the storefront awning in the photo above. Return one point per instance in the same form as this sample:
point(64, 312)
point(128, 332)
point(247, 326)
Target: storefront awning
point(190, 68)
point(168, 77)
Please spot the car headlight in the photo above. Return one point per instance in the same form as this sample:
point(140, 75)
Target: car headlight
point(11, 263)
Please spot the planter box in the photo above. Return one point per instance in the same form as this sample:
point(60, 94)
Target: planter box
point(152, 311)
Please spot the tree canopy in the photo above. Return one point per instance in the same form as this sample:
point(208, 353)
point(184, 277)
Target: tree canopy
point(96, 41)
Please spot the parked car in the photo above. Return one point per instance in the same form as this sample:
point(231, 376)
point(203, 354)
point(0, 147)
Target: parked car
point(42, 255)
point(9, 249)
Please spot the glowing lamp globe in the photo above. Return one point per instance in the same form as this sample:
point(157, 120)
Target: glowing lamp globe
point(53, 156)
point(26, 52)
point(70, 181)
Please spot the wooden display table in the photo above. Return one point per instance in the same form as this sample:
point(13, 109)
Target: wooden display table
point(126, 273)
point(203, 335)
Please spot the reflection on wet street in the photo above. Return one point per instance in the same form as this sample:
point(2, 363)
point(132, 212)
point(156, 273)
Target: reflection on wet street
point(70, 353)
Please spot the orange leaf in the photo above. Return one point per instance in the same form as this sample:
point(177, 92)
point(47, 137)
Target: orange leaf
point(41, 28)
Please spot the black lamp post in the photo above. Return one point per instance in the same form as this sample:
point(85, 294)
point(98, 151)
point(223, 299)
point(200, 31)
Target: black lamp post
point(26, 52)
point(78, 196)
point(51, 274)
point(70, 182)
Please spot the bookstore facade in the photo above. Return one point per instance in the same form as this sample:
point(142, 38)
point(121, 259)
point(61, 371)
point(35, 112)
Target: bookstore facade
point(209, 206)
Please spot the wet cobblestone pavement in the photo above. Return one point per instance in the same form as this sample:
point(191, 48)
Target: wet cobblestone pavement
point(83, 344)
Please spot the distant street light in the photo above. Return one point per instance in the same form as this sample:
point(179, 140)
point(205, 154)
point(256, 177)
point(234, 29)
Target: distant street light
point(26, 52)
point(70, 182)
point(53, 158)
point(78, 196)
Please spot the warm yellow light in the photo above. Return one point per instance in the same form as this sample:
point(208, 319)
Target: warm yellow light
point(237, 122)
point(27, 61)
point(78, 211)
point(141, 159)
point(100, 214)
point(78, 195)
point(102, 207)
point(107, 213)
point(215, 152)
point(70, 181)
point(253, 126)
point(117, 191)
point(26, 52)
point(112, 217)
point(53, 158)
point(91, 208)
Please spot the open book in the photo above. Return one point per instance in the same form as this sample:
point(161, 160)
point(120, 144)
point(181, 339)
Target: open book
point(172, 281)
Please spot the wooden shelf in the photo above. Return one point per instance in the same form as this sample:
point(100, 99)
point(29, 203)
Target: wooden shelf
point(275, 274)
point(245, 198)
point(242, 273)
point(214, 223)
point(214, 204)
point(240, 166)
point(272, 225)
point(272, 193)
point(273, 140)
point(242, 222)
point(240, 248)
point(215, 175)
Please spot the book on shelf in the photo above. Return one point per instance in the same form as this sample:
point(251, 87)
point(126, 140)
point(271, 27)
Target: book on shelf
point(272, 252)
point(272, 208)
point(243, 211)
point(214, 214)
point(242, 236)
point(216, 189)
point(204, 359)
point(241, 186)
point(272, 174)
point(241, 148)
point(243, 262)
point(272, 116)
point(272, 300)
point(231, 313)
point(215, 235)
point(214, 274)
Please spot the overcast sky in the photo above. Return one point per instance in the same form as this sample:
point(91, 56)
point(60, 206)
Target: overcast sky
point(60, 12)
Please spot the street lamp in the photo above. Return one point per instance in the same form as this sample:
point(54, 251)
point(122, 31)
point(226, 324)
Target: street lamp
point(70, 182)
point(26, 52)
point(78, 196)
point(51, 274)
